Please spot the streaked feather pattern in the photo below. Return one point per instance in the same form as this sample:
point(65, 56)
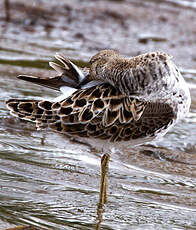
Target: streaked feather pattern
point(117, 99)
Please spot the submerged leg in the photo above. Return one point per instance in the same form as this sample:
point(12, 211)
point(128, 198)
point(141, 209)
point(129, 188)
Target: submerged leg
point(7, 10)
point(103, 186)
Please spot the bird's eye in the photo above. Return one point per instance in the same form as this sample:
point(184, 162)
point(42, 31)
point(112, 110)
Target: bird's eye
point(93, 60)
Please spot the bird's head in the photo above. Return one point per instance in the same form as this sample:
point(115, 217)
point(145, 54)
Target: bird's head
point(103, 56)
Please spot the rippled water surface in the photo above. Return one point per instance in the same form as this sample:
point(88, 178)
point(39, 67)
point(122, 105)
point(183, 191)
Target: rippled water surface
point(52, 182)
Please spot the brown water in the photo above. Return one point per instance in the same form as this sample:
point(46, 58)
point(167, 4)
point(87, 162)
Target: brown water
point(55, 184)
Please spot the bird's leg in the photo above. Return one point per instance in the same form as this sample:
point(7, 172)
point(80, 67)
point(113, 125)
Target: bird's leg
point(43, 138)
point(103, 187)
point(7, 10)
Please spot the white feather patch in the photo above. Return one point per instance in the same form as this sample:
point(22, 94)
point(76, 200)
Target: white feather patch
point(90, 84)
point(67, 91)
point(80, 73)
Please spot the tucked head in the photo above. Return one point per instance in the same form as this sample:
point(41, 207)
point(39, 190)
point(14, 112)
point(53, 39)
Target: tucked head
point(103, 55)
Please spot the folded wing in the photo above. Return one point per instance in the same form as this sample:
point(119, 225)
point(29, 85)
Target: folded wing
point(98, 112)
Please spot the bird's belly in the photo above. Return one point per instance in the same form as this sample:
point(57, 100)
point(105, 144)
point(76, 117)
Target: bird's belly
point(105, 146)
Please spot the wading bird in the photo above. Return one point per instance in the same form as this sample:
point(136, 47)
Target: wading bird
point(116, 102)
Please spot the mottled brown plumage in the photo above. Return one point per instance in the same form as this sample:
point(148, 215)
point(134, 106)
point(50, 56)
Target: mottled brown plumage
point(98, 112)
point(134, 101)
point(117, 102)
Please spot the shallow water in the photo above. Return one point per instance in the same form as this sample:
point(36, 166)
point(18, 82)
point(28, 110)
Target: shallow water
point(52, 182)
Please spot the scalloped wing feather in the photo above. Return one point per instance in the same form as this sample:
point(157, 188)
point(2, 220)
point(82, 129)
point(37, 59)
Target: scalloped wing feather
point(99, 112)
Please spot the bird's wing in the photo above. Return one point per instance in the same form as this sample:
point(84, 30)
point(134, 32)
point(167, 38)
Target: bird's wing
point(68, 75)
point(99, 112)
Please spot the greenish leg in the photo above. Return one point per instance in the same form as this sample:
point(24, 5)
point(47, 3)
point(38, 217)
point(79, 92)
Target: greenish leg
point(103, 187)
